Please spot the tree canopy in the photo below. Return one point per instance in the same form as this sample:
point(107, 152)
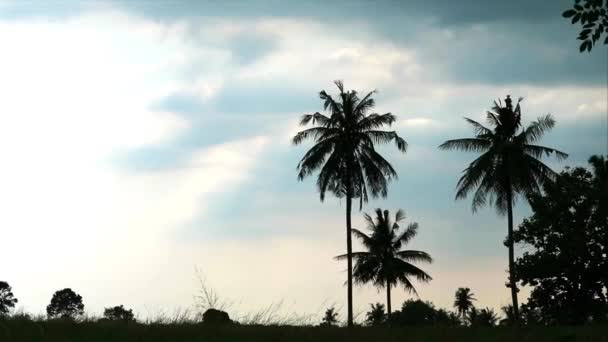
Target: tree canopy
point(65, 304)
point(7, 298)
point(566, 261)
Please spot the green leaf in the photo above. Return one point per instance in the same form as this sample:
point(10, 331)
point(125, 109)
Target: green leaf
point(606, 40)
point(568, 13)
point(576, 18)
point(583, 46)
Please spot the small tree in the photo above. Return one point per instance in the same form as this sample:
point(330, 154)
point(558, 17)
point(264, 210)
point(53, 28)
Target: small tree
point(119, 313)
point(65, 304)
point(7, 299)
point(330, 319)
point(376, 316)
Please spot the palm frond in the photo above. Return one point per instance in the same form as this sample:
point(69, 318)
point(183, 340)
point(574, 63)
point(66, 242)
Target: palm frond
point(408, 234)
point(467, 145)
point(540, 151)
point(480, 130)
point(536, 129)
point(374, 121)
point(315, 118)
point(415, 256)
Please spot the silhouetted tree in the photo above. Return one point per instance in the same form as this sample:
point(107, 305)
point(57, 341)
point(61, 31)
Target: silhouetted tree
point(345, 154)
point(593, 17)
point(482, 318)
point(65, 304)
point(566, 264)
point(508, 166)
point(384, 264)
point(330, 319)
point(376, 316)
point(463, 301)
point(7, 298)
point(414, 313)
point(119, 313)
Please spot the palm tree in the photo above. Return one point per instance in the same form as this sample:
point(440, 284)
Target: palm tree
point(331, 318)
point(509, 165)
point(376, 316)
point(385, 264)
point(345, 154)
point(463, 301)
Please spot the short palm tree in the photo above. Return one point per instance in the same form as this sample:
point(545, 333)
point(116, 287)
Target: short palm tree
point(345, 154)
point(331, 318)
point(463, 301)
point(376, 316)
point(509, 166)
point(385, 264)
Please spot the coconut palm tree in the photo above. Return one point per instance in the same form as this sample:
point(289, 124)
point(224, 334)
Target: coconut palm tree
point(345, 154)
point(331, 318)
point(385, 264)
point(463, 301)
point(376, 316)
point(509, 166)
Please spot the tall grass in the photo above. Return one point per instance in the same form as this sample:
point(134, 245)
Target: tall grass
point(27, 330)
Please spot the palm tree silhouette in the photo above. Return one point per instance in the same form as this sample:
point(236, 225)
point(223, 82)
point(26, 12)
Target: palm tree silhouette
point(463, 301)
point(345, 154)
point(385, 264)
point(509, 165)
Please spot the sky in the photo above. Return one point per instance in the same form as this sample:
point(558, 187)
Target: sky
point(143, 140)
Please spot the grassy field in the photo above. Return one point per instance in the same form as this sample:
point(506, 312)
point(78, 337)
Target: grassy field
point(23, 330)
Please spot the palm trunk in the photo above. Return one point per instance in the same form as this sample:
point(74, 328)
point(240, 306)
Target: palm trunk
point(349, 257)
point(388, 300)
point(512, 282)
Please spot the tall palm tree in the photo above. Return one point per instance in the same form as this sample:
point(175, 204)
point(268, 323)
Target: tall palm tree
point(345, 154)
point(463, 301)
point(509, 166)
point(385, 264)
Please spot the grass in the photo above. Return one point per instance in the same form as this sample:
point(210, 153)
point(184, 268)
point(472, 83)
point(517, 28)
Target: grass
point(55, 331)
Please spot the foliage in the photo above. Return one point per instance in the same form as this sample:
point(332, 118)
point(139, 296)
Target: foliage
point(345, 154)
point(509, 166)
point(331, 318)
point(61, 331)
point(593, 18)
point(7, 298)
point(118, 313)
point(376, 316)
point(65, 304)
point(463, 301)
point(385, 264)
point(420, 313)
point(567, 264)
point(482, 318)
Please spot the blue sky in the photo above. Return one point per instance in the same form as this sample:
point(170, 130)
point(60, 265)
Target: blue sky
point(144, 139)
